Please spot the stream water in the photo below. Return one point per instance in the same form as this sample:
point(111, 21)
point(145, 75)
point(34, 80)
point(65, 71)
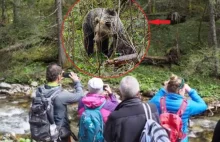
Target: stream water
point(14, 119)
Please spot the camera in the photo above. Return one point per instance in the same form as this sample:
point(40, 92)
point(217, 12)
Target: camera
point(104, 87)
point(66, 74)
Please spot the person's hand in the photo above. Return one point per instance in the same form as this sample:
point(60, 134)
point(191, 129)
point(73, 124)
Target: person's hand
point(187, 88)
point(74, 76)
point(107, 89)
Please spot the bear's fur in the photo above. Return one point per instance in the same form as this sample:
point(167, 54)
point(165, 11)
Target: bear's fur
point(176, 18)
point(99, 25)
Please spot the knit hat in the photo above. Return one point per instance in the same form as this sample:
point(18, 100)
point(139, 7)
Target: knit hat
point(95, 85)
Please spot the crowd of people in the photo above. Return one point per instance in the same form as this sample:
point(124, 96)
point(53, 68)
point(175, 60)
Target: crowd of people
point(102, 118)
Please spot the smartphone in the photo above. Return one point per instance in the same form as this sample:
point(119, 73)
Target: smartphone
point(104, 87)
point(66, 74)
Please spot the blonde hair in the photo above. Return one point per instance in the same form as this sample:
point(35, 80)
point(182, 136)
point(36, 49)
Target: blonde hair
point(175, 84)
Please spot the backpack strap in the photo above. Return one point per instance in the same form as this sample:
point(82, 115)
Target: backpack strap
point(98, 108)
point(55, 94)
point(163, 104)
point(147, 111)
point(182, 108)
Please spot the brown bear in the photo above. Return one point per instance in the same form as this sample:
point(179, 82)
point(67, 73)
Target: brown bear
point(99, 25)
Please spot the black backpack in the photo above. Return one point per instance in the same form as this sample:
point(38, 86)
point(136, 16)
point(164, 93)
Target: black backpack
point(41, 118)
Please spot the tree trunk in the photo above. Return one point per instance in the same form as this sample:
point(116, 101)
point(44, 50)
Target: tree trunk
point(190, 7)
point(61, 56)
point(149, 7)
point(213, 36)
point(3, 11)
point(154, 6)
point(16, 4)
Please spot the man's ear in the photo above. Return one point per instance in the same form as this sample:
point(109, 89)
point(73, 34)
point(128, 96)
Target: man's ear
point(59, 78)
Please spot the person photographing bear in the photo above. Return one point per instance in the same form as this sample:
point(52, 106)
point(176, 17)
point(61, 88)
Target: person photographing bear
point(60, 99)
point(171, 99)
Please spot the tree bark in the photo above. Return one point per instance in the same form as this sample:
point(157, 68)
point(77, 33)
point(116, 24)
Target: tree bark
point(200, 24)
point(61, 55)
point(214, 41)
point(149, 7)
point(16, 4)
point(3, 11)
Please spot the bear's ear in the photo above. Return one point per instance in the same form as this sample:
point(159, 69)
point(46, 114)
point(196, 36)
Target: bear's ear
point(108, 24)
point(97, 20)
point(111, 12)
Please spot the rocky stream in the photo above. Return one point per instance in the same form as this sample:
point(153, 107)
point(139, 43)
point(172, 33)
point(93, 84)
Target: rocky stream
point(14, 106)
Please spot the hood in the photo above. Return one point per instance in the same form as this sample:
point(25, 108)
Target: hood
point(47, 91)
point(93, 100)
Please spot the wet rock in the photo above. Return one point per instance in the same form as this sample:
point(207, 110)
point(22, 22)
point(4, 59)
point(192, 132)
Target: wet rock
point(197, 129)
point(34, 84)
point(4, 85)
point(26, 88)
point(204, 124)
point(8, 137)
point(16, 89)
point(33, 94)
point(2, 79)
point(7, 92)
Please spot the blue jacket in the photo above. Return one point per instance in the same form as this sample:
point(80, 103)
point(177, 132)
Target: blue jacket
point(195, 105)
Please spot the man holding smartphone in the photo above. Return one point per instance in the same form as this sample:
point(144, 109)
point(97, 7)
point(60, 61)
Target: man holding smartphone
point(54, 76)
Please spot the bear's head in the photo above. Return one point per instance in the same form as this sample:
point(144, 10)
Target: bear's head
point(102, 30)
point(104, 25)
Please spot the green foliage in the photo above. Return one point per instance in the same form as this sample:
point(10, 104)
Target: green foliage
point(37, 20)
point(25, 73)
point(24, 140)
point(45, 53)
point(95, 64)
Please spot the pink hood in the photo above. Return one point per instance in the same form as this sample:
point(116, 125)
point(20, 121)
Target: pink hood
point(93, 100)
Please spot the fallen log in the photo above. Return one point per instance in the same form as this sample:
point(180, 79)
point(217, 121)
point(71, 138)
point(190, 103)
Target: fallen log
point(12, 48)
point(18, 46)
point(172, 57)
point(122, 59)
point(133, 58)
point(155, 60)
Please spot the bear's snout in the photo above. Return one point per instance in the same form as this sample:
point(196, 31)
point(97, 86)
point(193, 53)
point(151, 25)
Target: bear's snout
point(96, 39)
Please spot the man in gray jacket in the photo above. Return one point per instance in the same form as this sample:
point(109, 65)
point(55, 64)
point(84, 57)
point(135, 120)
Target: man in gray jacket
point(64, 98)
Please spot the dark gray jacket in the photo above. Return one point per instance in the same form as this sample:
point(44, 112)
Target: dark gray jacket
point(127, 121)
point(61, 101)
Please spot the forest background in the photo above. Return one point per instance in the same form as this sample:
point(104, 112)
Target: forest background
point(29, 41)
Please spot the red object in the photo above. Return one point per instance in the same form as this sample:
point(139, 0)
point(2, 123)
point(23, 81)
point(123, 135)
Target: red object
point(172, 122)
point(69, 139)
point(158, 22)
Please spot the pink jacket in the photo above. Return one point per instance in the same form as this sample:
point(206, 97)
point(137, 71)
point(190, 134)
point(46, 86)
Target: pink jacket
point(94, 101)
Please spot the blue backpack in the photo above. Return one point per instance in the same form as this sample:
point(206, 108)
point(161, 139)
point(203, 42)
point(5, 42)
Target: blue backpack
point(91, 125)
